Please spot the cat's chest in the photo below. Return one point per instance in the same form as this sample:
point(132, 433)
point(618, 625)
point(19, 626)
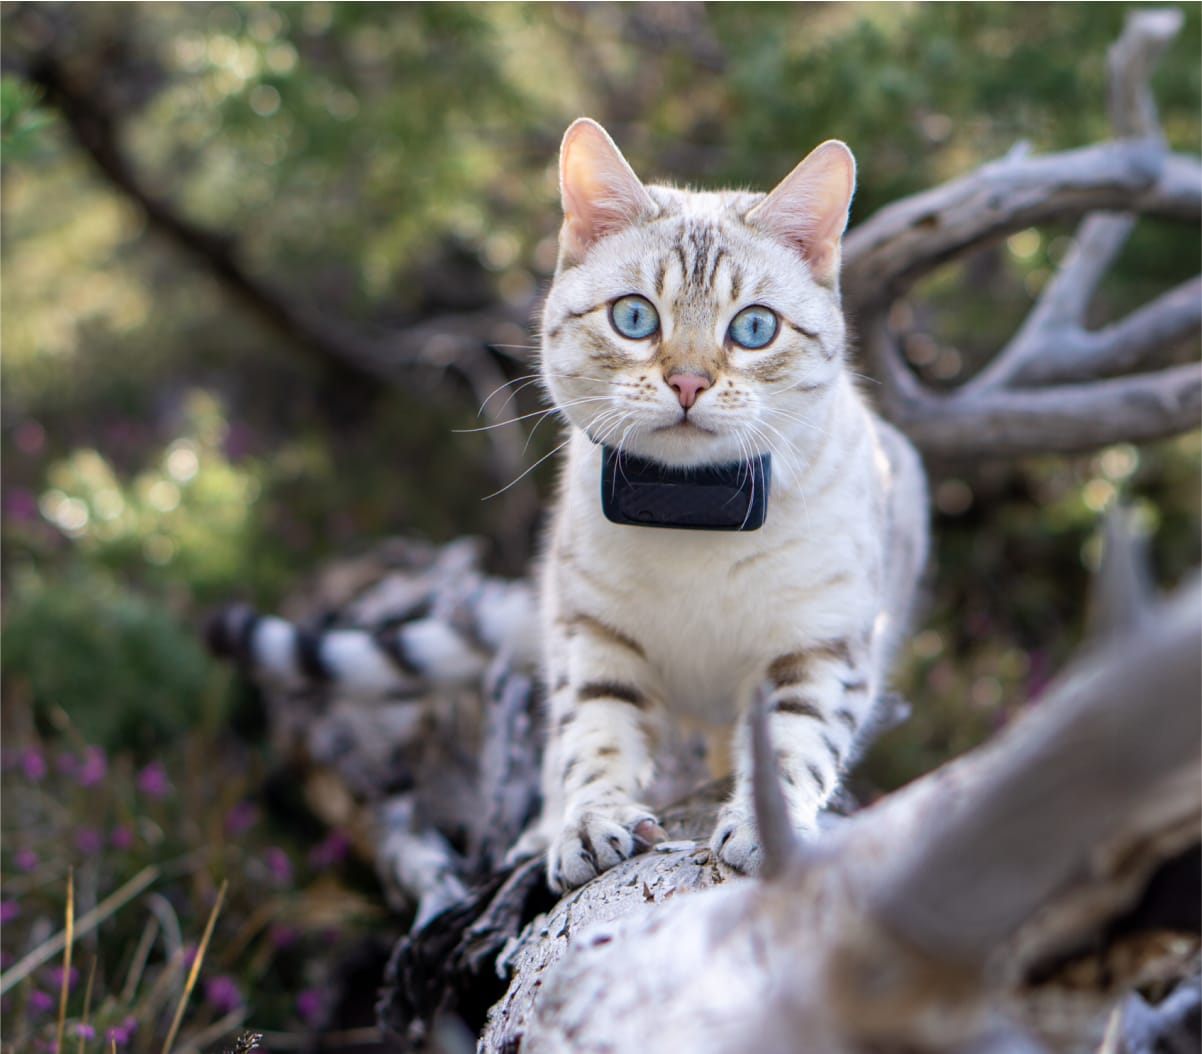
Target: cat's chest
point(710, 609)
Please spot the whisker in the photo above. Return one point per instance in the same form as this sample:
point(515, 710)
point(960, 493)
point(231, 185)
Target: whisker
point(533, 413)
point(527, 377)
point(518, 390)
point(618, 418)
point(797, 418)
point(784, 457)
point(789, 457)
point(787, 462)
point(526, 472)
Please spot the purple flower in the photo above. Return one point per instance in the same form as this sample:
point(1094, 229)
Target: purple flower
point(95, 767)
point(88, 840)
point(330, 852)
point(40, 1002)
point(283, 936)
point(121, 838)
point(33, 764)
point(153, 782)
point(278, 865)
point(20, 505)
point(221, 993)
point(9, 910)
point(55, 978)
point(117, 1035)
point(308, 1005)
point(241, 818)
point(85, 1031)
point(27, 860)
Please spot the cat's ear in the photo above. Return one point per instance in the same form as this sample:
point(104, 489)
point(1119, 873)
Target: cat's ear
point(601, 194)
point(808, 208)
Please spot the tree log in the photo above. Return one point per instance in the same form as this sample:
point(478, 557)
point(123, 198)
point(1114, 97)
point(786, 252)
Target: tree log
point(909, 926)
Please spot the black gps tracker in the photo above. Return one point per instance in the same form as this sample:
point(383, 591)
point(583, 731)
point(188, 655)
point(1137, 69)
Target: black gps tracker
point(641, 493)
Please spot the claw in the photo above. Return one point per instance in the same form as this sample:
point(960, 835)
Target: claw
point(648, 833)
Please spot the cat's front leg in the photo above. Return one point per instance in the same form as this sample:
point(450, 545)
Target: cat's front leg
point(820, 695)
point(599, 756)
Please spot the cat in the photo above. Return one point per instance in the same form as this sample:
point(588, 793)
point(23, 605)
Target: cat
point(684, 330)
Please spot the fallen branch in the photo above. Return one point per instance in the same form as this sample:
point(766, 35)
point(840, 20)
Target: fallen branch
point(906, 925)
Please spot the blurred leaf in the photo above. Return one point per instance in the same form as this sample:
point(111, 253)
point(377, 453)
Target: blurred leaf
point(23, 121)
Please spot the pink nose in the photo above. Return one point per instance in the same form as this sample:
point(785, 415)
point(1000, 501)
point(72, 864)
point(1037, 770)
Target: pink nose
point(688, 386)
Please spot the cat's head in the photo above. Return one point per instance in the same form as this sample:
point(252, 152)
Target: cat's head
point(695, 328)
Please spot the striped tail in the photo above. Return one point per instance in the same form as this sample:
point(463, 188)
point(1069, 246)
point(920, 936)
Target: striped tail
point(395, 655)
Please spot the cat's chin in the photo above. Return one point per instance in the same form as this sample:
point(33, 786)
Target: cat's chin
point(687, 445)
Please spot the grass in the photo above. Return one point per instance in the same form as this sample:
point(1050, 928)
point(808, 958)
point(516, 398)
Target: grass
point(157, 905)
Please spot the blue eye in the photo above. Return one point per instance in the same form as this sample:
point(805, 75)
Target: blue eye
point(753, 327)
point(634, 317)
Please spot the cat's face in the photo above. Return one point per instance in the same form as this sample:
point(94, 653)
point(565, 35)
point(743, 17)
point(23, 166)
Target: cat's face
point(695, 328)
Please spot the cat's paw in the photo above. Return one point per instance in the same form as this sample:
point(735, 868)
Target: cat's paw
point(595, 841)
point(736, 842)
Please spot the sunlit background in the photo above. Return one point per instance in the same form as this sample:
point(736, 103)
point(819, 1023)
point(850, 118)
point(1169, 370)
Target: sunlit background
point(167, 447)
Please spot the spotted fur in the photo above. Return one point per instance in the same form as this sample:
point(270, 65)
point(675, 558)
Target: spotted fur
point(644, 627)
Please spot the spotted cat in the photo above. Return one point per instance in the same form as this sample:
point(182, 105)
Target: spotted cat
point(686, 330)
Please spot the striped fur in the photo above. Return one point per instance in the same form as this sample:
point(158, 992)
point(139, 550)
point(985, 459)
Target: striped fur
point(409, 633)
point(642, 627)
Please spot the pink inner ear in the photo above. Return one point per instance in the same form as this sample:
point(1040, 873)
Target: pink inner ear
point(808, 208)
point(601, 194)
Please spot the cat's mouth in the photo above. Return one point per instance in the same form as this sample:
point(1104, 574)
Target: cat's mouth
point(684, 425)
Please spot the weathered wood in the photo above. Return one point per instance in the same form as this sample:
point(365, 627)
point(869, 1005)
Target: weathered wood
point(891, 928)
point(897, 245)
point(1063, 419)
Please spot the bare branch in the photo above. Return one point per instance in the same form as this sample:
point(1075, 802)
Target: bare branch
point(1101, 747)
point(1148, 333)
point(93, 129)
point(1178, 194)
point(903, 241)
point(778, 844)
point(999, 412)
point(1122, 589)
point(1065, 419)
point(1132, 58)
point(1052, 343)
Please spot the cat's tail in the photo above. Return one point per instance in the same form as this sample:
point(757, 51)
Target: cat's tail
point(395, 655)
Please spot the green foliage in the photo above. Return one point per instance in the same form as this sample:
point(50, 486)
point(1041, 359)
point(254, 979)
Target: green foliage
point(23, 121)
point(119, 665)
